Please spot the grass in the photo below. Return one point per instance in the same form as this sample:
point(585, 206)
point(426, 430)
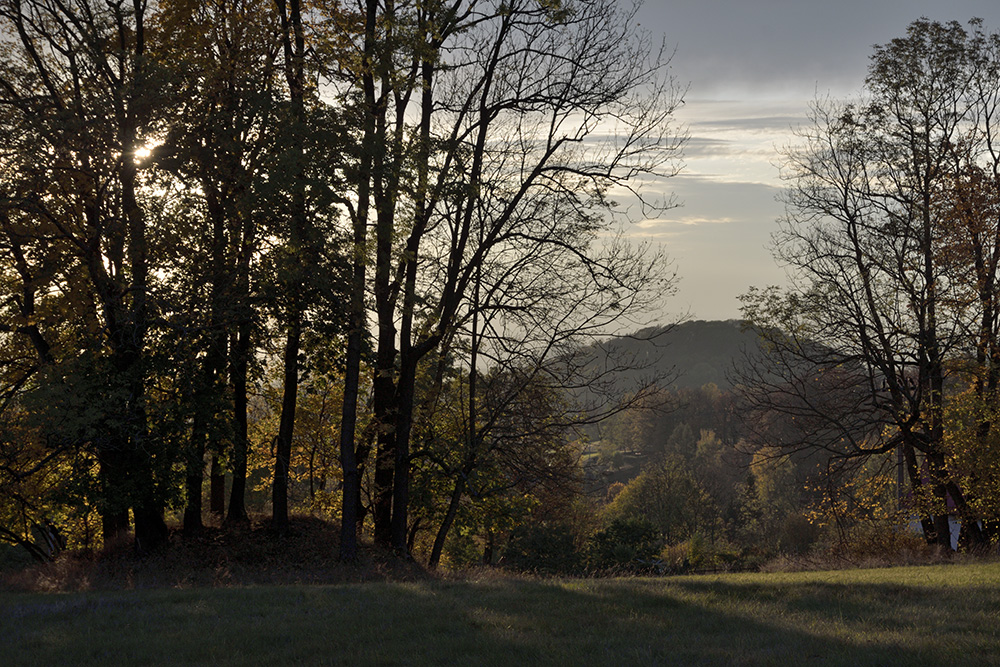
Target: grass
point(948, 614)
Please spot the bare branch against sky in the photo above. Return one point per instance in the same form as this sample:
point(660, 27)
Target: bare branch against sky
point(753, 66)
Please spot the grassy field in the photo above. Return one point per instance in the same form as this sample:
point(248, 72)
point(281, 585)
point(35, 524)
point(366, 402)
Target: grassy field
point(931, 615)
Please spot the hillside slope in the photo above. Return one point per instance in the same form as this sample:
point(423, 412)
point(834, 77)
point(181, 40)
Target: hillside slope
point(690, 354)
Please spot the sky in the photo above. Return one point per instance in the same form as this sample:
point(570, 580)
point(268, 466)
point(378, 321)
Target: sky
point(751, 68)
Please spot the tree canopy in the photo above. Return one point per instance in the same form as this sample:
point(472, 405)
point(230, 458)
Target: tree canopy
point(234, 233)
point(891, 239)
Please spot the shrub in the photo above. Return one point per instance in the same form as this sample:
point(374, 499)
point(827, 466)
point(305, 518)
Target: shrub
point(880, 543)
point(700, 554)
point(796, 534)
point(667, 497)
point(545, 548)
point(628, 544)
point(461, 550)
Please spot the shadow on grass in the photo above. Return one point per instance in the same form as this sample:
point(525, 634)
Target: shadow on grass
point(639, 621)
point(890, 623)
point(653, 623)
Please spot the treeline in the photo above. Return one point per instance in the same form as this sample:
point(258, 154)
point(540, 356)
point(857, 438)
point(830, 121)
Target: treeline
point(670, 485)
point(356, 245)
point(685, 465)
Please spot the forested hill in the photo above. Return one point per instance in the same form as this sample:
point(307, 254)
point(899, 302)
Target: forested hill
point(692, 353)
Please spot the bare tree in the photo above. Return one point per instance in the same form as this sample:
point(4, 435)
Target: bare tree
point(508, 102)
point(863, 346)
point(537, 315)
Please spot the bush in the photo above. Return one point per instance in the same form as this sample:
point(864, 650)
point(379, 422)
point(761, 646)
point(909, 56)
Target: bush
point(627, 545)
point(881, 543)
point(669, 498)
point(545, 548)
point(700, 554)
point(461, 550)
point(797, 534)
point(14, 557)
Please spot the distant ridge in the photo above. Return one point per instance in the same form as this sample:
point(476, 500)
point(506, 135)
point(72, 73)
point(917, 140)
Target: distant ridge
point(692, 353)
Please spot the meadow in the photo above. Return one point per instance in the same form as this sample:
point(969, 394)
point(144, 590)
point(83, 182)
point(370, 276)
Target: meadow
point(929, 615)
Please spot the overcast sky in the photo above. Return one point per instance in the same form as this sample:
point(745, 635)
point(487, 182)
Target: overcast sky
point(752, 67)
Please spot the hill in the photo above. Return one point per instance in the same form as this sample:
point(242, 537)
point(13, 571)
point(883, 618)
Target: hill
point(690, 354)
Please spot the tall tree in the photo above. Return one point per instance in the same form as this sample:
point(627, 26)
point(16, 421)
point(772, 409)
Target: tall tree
point(310, 263)
point(293, 49)
point(221, 136)
point(77, 80)
point(868, 336)
point(504, 99)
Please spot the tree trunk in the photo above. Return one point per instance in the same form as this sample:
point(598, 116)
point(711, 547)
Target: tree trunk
point(114, 508)
point(489, 548)
point(449, 519)
point(401, 473)
point(207, 400)
point(194, 478)
point(384, 388)
point(150, 528)
point(385, 468)
point(147, 509)
point(916, 486)
point(409, 358)
point(971, 537)
point(942, 524)
point(293, 45)
point(241, 444)
point(217, 488)
point(286, 427)
point(350, 518)
point(351, 491)
point(384, 197)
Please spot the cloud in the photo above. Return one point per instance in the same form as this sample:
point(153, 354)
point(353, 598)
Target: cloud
point(708, 201)
point(753, 67)
point(697, 147)
point(653, 223)
point(789, 47)
point(768, 124)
